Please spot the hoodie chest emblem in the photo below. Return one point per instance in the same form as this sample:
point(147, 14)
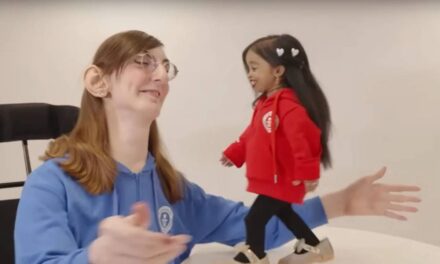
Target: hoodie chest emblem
point(165, 215)
point(267, 121)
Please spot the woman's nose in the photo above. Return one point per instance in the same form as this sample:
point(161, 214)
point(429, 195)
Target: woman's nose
point(160, 73)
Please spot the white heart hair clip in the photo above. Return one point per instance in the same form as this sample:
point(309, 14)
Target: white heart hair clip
point(295, 52)
point(280, 52)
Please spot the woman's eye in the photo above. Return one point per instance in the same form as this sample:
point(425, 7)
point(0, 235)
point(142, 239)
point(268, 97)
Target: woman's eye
point(142, 62)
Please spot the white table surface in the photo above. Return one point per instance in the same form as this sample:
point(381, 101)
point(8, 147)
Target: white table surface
point(351, 247)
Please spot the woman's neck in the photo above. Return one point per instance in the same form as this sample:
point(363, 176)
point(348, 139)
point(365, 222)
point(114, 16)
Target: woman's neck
point(273, 90)
point(129, 140)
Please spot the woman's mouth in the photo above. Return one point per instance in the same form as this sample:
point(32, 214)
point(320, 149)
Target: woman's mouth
point(153, 93)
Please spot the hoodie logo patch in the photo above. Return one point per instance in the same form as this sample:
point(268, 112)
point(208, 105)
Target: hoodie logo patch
point(267, 121)
point(165, 215)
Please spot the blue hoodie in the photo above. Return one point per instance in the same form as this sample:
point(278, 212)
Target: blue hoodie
point(57, 218)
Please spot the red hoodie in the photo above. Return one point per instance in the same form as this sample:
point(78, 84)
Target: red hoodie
point(275, 159)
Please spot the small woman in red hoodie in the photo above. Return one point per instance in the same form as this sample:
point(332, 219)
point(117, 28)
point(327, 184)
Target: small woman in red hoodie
point(283, 146)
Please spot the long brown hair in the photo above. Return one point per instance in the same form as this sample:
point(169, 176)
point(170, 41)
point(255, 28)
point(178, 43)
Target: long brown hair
point(87, 147)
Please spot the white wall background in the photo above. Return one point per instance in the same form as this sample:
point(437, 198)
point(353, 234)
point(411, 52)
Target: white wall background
point(379, 64)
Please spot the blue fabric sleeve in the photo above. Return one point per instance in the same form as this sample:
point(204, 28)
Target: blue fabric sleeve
point(42, 233)
point(213, 218)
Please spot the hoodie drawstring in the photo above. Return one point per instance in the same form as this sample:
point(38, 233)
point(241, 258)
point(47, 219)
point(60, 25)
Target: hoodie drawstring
point(273, 136)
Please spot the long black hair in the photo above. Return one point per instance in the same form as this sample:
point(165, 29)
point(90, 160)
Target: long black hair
point(287, 51)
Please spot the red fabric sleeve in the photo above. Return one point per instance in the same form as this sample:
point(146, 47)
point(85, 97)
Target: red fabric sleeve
point(236, 152)
point(304, 138)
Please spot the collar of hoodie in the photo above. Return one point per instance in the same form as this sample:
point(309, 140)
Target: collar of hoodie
point(148, 167)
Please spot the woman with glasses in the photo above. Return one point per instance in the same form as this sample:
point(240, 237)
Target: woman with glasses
point(106, 192)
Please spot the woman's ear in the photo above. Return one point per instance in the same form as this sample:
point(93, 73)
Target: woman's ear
point(95, 82)
point(279, 71)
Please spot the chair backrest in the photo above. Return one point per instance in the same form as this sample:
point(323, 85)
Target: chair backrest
point(8, 209)
point(23, 122)
point(35, 121)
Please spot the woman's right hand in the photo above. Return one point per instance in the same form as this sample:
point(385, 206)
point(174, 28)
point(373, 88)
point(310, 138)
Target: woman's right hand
point(127, 240)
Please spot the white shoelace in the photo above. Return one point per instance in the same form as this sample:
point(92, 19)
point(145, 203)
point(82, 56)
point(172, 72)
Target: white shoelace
point(243, 248)
point(301, 245)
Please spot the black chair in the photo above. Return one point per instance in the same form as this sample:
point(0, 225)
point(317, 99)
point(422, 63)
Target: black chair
point(23, 122)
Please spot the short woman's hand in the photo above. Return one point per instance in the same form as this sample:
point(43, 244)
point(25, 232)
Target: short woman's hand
point(225, 161)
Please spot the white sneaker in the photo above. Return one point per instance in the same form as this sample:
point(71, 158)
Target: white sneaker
point(319, 253)
point(253, 259)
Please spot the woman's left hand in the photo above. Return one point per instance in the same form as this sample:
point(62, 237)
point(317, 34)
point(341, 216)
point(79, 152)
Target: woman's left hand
point(310, 186)
point(225, 161)
point(366, 196)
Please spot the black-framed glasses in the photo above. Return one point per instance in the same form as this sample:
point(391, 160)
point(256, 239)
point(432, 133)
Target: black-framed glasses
point(150, 63)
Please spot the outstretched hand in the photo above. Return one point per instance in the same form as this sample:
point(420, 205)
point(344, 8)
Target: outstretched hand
point(368, 197)
point(225, 161)
point(127, 240)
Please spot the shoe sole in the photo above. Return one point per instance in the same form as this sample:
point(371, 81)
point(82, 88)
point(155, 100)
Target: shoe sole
point(315, 261)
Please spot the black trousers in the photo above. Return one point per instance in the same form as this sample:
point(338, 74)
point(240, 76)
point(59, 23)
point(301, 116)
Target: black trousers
point(261, 212)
